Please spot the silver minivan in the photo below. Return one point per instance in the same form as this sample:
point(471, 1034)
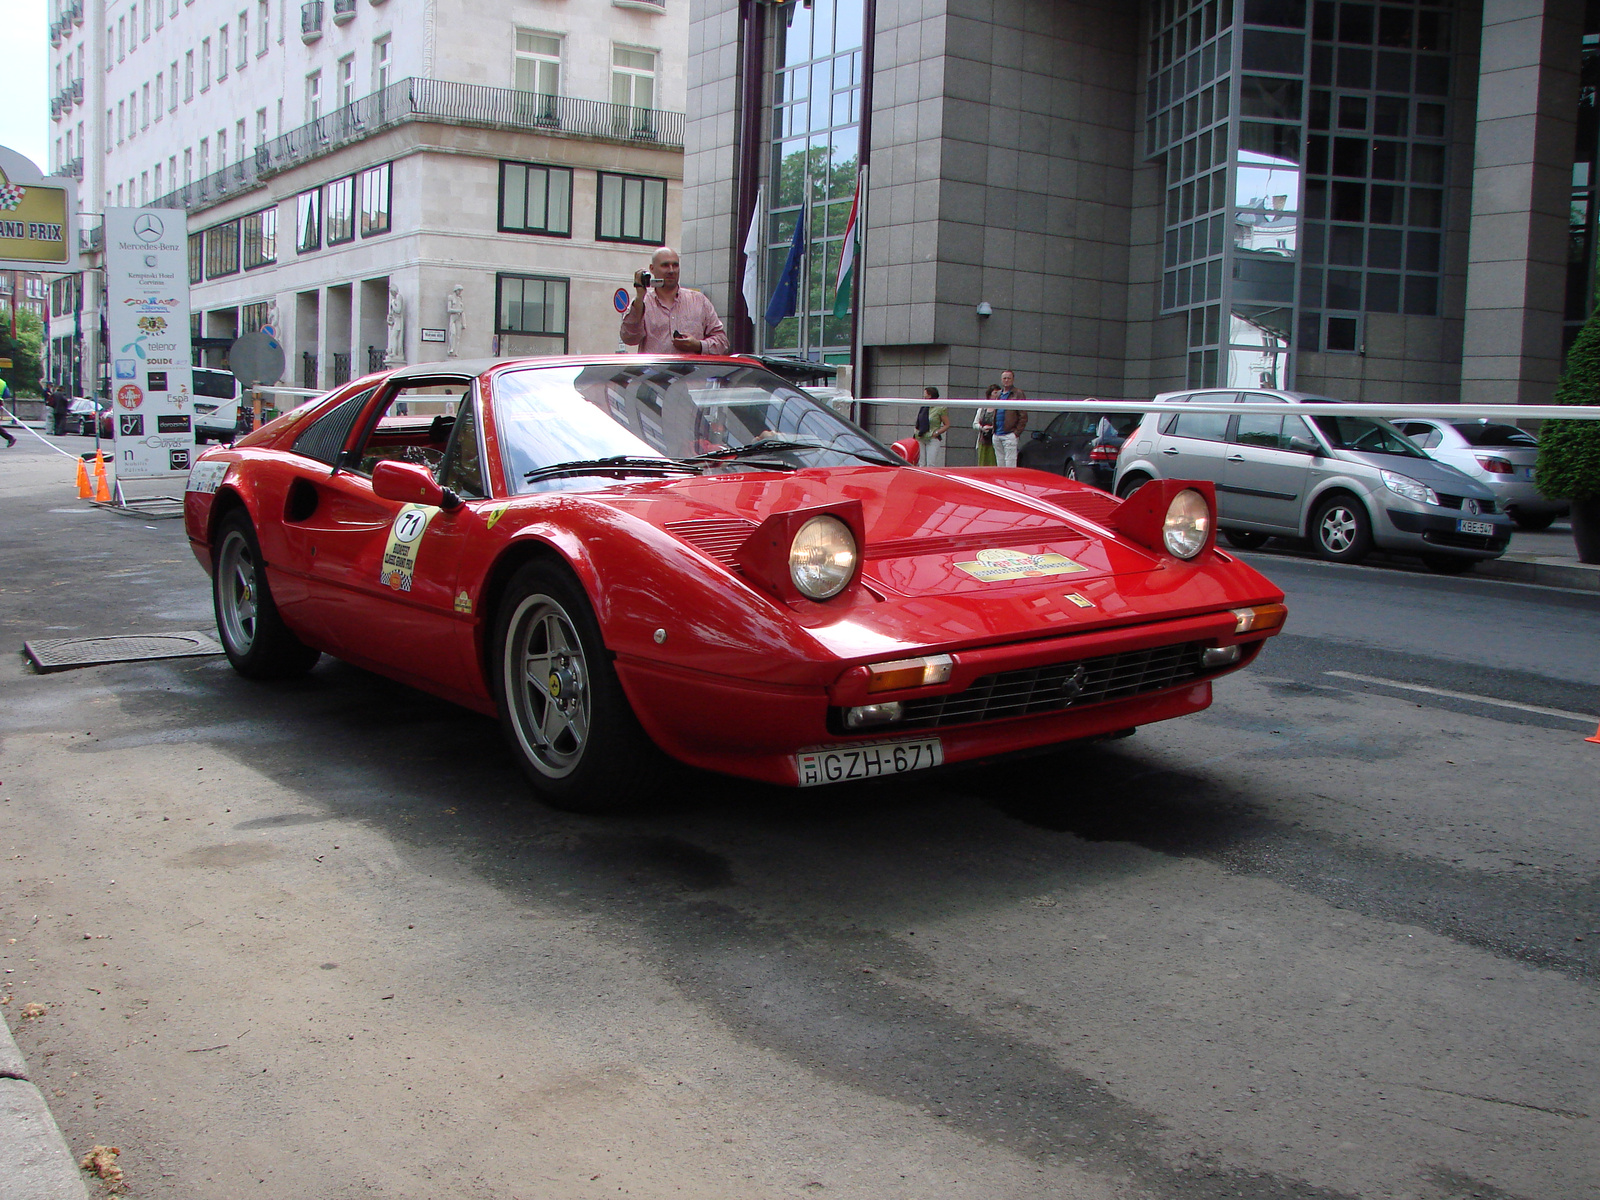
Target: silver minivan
point(1345, 483)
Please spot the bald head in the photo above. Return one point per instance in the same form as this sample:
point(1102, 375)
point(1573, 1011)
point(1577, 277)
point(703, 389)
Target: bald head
point(664, 266)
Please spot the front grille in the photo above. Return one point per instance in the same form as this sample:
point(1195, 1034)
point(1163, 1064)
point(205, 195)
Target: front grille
point(1465, 541)
point(716, 539)
point(1060, 686)
point(1446, 500)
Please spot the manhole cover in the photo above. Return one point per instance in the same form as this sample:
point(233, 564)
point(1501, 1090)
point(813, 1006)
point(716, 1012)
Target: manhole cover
point(63, 654)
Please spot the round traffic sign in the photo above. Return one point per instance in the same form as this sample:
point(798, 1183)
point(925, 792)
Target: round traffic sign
point(256, 358)
point(620, 300)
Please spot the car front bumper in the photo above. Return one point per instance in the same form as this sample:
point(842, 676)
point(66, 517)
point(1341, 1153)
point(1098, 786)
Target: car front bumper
point(1439, 532)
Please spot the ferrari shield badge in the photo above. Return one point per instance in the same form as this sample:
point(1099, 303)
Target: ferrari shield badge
point(400, 556)
point(997, 565)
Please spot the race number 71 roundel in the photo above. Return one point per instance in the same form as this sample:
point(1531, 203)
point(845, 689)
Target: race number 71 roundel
point(400, 556)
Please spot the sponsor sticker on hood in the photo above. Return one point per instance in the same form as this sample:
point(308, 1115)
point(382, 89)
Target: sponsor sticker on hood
point(996, 565)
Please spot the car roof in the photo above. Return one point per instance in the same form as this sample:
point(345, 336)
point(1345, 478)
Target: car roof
point(479, 366)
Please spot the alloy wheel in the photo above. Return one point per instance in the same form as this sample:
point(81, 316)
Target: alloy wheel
point(548, 686)
point(1338, 529)
point(236, 593)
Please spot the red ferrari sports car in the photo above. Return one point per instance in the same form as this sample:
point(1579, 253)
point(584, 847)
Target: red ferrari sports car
point(623, 556)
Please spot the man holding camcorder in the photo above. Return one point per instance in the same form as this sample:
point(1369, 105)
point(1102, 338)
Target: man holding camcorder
point(665, 318)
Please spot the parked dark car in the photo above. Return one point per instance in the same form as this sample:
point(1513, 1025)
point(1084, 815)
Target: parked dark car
point(1079, 445)
point(81, 414)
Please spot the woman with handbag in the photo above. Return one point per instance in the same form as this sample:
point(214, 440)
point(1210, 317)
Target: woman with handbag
point(984, 424)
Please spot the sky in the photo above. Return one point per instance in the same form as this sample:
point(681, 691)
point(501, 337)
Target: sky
point(24, 105)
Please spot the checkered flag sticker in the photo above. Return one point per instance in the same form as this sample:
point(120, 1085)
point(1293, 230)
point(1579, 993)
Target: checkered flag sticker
point(11, 195)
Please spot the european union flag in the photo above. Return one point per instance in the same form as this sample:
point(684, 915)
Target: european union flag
point(785, 295)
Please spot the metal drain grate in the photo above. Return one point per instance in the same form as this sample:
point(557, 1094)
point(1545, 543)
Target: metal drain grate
point(64, 654)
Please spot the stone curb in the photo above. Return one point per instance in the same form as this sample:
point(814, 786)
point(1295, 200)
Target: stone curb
point(35, 1163)
point(1547, 572)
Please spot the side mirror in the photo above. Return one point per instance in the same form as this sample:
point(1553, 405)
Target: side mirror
point(411, 483)
point(1305, 446)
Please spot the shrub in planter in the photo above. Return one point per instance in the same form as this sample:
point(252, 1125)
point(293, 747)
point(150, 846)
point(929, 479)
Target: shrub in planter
point(1569, 451)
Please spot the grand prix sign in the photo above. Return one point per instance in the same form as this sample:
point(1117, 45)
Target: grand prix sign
point(147, 294)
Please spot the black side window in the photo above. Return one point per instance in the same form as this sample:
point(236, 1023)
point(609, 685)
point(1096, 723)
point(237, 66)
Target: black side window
point(1210, 427)
point(462, 468)
point(326, 436)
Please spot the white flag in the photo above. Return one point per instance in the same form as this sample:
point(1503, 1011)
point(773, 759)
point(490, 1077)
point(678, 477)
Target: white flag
point(752, 255)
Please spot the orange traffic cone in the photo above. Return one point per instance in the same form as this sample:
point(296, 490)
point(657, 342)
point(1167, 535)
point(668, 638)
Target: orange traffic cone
point(102, 493)
point(84, 490)
point(1595, 738)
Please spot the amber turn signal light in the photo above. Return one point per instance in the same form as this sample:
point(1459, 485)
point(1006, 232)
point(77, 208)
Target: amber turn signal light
point(1259, 619)
point(909, 673)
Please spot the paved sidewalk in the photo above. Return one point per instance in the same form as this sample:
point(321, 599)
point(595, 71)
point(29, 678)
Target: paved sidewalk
point(35, 1163)
point(1547, 557)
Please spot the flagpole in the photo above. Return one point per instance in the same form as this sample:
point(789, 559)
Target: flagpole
point(805, 263)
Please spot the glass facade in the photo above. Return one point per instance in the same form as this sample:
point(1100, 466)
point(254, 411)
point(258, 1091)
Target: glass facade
point(816, 117)
point(1305, 160)
point(1585, 163)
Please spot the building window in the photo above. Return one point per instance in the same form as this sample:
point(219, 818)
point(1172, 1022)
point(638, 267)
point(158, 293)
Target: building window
point(347, 81)
point(531, 304)
point(144, 107)
point(158, 190)
point(308, 221)
point(188, 75)
point(263, 26)
point(122, 38)
point(222, 148)
point(633, 77)
point(380, 64)
point(161, 10)
point(197, 258)
point(339, 210)
point(133, 114)
point(261, 127)
point(535, 199)
point(313, 96)
point(205, 64)
point(538, 63)
point(188, 167)
point(258, 238)
point(633, 208)
point(222, 250)
point(121, 118)
point(172, 74)
point(145, 35)
point(375, 185)
point(244, 40)
point(222, 54)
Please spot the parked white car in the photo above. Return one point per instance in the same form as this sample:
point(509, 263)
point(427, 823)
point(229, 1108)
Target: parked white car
point(1501, 457)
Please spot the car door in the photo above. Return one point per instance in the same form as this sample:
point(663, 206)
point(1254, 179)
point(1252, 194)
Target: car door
point(1266, 474)
point(1050, 449)
point(382, 575)
point(1194, 444)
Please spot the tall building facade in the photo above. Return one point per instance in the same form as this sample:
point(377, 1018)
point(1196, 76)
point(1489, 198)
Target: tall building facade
point(1380, 200)
point(382, 180)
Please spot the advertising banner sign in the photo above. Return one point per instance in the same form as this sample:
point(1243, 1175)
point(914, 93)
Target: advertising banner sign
point(37, 228)
point(147, 319)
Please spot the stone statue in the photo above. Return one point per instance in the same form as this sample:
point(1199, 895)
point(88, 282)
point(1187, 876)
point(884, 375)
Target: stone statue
point(272, 317)
point(455, 321)
point(395, 354)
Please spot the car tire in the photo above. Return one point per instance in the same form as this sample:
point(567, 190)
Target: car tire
point(1341, 531)
point(1131, 483)
point(1448, 564)
point(1533, 522)
point(561, 704)
point(253, 634)
point(1246, 539)
point(1071, 471)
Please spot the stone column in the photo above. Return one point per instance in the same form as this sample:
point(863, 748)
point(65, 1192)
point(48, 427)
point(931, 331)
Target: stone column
point(1521, 183)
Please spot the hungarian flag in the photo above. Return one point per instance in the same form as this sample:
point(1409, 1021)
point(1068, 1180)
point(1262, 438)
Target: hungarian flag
point(845, 283)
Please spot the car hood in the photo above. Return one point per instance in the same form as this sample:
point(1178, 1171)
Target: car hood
point(954, 556)
point(1441, 477)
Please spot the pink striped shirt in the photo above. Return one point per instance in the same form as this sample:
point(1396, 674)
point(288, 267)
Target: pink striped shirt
point(691, 313)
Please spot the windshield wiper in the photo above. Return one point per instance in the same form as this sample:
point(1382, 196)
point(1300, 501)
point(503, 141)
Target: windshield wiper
point(767, 445)
point(618, 465)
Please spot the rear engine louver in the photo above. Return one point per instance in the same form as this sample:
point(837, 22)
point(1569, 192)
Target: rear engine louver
point(716, 539)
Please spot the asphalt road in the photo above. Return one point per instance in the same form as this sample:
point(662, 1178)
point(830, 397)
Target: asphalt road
point(1331, 938)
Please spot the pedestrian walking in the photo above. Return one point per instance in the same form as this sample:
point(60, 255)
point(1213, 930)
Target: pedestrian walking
point(1009, 422)
point(59, 404)
point(933, 422)
point(5, 419)
point(983, 422)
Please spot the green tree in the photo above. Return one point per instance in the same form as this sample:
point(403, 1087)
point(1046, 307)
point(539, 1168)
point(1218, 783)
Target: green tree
point(23, 351)
point(1569, 451)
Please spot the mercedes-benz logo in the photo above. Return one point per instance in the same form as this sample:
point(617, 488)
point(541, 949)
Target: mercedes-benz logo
point(148, 228)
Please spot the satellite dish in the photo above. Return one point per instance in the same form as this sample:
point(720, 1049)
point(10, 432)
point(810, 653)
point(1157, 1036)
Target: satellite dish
point(257, 360)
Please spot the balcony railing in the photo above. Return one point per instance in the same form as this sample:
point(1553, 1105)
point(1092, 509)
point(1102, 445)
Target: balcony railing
point(55, 33)
point(434, 101)
point(73, 168)
point(344, 11)
point(311, 21)
point(55, 107)
point(90, 238)
point(76, 12)
point(77, 90)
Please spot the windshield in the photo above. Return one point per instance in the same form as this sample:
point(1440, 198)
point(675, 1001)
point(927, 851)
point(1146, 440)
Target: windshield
point(1483, 433)
point(1367, 436)
point(547, 416)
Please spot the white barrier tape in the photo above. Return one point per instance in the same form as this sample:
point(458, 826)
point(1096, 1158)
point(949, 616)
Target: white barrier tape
point(1508, 413)
point(1503, 412)
point(30, 429)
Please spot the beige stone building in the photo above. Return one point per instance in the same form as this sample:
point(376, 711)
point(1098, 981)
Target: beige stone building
point(332, 152)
